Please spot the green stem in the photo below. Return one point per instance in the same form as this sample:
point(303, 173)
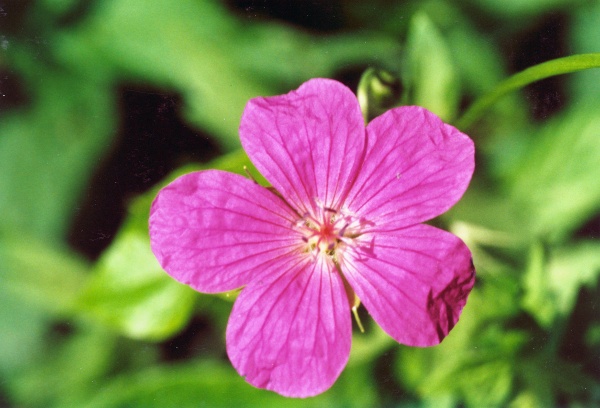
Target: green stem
point(544, 70)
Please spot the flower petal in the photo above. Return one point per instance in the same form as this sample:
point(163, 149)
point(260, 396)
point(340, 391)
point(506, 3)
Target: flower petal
point(414, 282)
point(213, 230)
point(307, 143)
point(291, 333)
point(416, 167)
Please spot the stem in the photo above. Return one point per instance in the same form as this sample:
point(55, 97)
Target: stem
point(546, 69)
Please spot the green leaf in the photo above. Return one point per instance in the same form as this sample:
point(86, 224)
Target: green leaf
point(556, 186)
point(216, 384)
point(40, 282)
point(511, 9)
point(546, 69)
point(585, 86)
point(48, 151)
point(537, 299)
point(216, 60)
point(480, 65)
point(480, 75)
point(46, 275)
point(368, 345)
point(23, 326)
point(552, 287)
point(131, 293)
point(71, 366)
point(545, 378)
point(431, 78)
point(478, 371)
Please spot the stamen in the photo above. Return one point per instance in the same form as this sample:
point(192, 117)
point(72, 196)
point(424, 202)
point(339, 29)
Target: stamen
point(357, 318)
point(327, 231)
point(319, 244)
point(310, 221)
point(343, 230)
point(346, 240)
point(355, 313)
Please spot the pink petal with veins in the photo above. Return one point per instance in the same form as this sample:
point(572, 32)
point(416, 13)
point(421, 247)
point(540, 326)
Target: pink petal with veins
point(350, 200)
point(307, 143)
point(414, 282)
point(416, 168)
point(290, 332)
point(214, 230)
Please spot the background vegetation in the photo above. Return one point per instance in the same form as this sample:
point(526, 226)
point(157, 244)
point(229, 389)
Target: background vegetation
point(104, 101)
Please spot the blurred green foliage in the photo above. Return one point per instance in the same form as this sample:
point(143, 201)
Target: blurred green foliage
point(115, 331)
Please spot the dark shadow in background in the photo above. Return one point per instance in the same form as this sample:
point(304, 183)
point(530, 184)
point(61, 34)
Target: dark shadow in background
point(152, 141)
point(323, 16)
point(543, 41)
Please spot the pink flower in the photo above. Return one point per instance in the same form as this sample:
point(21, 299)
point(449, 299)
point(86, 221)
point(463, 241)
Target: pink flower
point(343, 220)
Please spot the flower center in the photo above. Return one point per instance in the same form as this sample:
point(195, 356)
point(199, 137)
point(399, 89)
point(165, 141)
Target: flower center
point(328, 233)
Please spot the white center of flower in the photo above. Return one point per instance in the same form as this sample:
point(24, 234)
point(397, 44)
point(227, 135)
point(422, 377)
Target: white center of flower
point(329, 232)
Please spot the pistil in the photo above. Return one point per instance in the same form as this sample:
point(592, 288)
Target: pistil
point(326, 233)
